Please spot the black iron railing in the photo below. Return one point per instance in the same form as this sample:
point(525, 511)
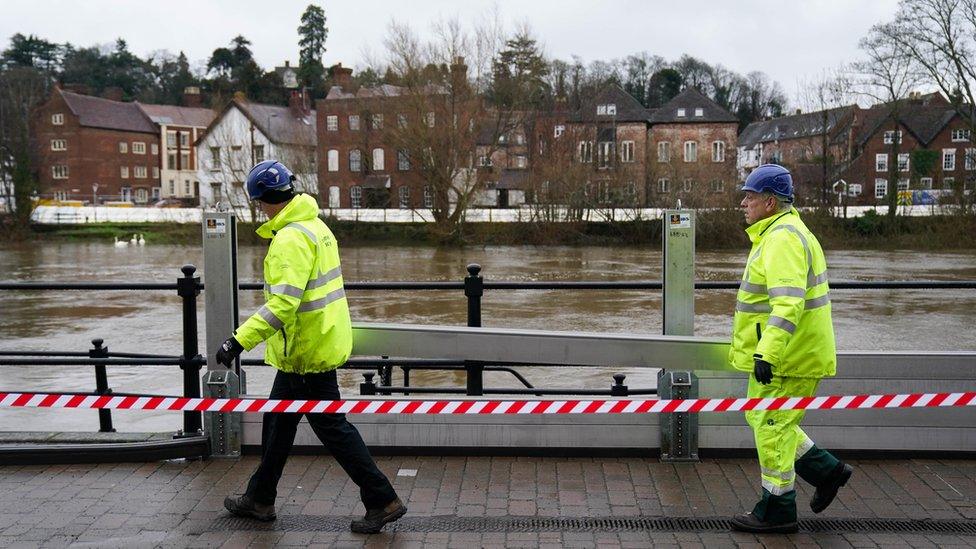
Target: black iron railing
point(189, 286)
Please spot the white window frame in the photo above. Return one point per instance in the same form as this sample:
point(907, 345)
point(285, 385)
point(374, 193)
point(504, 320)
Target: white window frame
point(379, 159)
point(970, 160)
point(59, 171)
point(376, 122)
point(402, 121)
point(903, 162)
point(355, 160)
point(142, 195)
point(948, 183)
point(184, 139)
point(718, 151)
point(605, 154)
point(403, 161)
point(687, 185)
point(334, 200)
point(880, 188)
point(948, 160)
point(664, 151)
point(881, 162)
point(154, 148)
point(332, 160)
point(356, 196)
point(854, 189)
point(332, 123)
point(123, 147)
point(681, 113)
point(925, 183)
point(903, 185)
point(138, 147)
point(59, 144)
point(717, 186)
point(961, 135)
point(889, 137)
point(124, 172)
point(664, 185)
point(699, 112)
point(428, 197)
point(171, 139)
point(558, 130)
point(139, 172)
point(353, 121)
point(521, 161)
point(585, 151)
point(57, 119)
point(691, 151)
point(155, 172)
point(215, 159)
point(627, 151)
point(403, 195)
point(430, 119)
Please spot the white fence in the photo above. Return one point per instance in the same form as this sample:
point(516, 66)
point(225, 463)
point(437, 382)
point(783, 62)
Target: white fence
point(72, 215)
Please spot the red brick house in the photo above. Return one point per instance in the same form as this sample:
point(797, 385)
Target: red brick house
point(691, 150)
point(932, 146)
point(91, 149)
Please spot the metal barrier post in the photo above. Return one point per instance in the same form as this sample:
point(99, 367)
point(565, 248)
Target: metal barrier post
point(101, 385)
point(473, 290)
point(188, 288)
point(679, 431)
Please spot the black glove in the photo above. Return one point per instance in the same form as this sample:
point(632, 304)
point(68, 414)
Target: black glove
point(228, 351)
point(763, 371)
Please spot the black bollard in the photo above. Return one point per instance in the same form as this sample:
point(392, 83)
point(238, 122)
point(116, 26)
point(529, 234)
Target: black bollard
point(188, 288)
point(474, 288)
point(618, 388)
point(367, 387)
point(101, 384)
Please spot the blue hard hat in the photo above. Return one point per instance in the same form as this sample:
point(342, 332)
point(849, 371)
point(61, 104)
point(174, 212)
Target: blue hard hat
point(770, 178)
point(266, 176)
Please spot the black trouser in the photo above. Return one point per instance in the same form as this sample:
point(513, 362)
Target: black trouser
point(337, 434)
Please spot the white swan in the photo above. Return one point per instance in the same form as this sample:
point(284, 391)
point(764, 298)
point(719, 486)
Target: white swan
point(120, 243)
point(133, 240)
point(142, 241)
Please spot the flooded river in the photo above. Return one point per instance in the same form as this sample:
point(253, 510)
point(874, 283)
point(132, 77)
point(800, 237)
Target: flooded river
point(150, 321)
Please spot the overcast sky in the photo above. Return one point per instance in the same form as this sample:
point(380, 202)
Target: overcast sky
point(791, 40)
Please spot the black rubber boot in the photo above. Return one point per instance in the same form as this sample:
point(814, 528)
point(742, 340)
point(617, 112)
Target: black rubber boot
point(827, 491)
point(772, 515)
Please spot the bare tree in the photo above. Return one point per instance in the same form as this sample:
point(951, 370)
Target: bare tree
point(823, 95)
point(887, 75)
point(939, 38)
point(21, 89)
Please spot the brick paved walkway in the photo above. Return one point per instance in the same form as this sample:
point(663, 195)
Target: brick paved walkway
point(179, 504)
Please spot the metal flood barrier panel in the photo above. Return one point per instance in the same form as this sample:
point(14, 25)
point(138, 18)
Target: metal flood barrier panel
point(910, 430)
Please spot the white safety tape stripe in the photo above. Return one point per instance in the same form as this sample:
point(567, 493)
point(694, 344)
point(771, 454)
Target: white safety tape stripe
point(617, 406)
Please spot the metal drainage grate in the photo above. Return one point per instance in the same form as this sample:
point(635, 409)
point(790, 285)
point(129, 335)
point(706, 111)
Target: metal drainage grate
point(447, 523)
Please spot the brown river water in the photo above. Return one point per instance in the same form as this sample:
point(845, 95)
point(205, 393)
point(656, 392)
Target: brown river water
point(149, 322)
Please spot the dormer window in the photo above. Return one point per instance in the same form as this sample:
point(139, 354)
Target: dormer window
point(681, 113)
point(699, 112)
point(607, 109)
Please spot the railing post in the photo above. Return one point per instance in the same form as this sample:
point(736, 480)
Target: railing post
point(386, 375)
point(367, 387)
point(618, 388)
point(101, 384)
point(188, 288)
point(473, 290)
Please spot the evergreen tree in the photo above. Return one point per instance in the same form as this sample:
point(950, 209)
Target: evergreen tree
point(662, 87)
point(313, 33)
point(520, 72)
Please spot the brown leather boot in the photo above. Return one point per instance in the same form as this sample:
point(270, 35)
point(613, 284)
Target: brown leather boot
point(375, 519)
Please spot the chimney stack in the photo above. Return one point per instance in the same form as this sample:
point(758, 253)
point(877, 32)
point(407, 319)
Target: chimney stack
point(112, 93)
point(192, 97)
point(342, 76)
point(298, 103)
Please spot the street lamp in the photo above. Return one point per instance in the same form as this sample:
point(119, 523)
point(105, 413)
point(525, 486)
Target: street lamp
point(94, 194)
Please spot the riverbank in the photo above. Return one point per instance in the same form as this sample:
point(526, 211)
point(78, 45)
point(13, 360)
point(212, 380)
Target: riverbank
point(715, 231)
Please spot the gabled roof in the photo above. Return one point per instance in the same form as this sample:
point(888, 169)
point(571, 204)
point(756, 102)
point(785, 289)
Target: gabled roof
point(795, 126)
point(172, 115)
point(95, 112)
point(625, 108)
point(691, 99)
point(923, 121)
point(282, 125)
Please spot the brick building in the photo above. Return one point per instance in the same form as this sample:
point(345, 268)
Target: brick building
point(692, 153)
point(798, 142)
point(90, 149)
point(935, 156)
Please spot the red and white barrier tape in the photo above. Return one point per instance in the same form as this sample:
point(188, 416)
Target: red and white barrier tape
point(456, 407)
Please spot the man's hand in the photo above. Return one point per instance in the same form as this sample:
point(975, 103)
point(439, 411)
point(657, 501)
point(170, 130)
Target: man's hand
point(763, 371)
point(228, 351)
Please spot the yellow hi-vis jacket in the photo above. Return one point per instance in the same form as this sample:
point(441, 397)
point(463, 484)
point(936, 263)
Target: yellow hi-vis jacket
point(782, 311)
point(305, 317)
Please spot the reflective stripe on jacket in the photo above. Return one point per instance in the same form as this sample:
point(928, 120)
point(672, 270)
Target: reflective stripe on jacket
point(782, 311)
point(305, 317)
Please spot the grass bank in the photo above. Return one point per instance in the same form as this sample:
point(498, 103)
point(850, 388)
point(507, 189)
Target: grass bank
point(715, 230)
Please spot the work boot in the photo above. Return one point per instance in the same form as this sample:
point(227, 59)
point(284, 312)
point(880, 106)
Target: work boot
point(374, 520)
point(245, 506)
point(752, 524)
point(826, 492)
